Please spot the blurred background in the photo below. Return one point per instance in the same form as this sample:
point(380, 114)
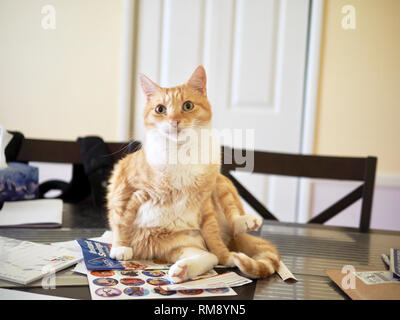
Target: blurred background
point(309, 76)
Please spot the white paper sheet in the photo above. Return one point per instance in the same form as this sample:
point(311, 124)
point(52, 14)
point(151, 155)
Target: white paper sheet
point(9, 294)
point(74, 246)
point(377, 277)
point(39, 213)
point(227, 279)
point(285, 273)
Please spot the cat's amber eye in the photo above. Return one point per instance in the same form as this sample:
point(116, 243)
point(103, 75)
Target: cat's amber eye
point(187, 106)
point(160, 109)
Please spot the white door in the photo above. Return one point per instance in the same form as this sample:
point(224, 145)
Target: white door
point(254, 52)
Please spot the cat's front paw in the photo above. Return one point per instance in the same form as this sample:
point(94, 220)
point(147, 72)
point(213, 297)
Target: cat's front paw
point(121, 253)
point(178, 272)
point(248, 222)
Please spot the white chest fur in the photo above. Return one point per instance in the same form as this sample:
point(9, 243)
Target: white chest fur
point(160, 153)
point(181, 176)
point(176, 216)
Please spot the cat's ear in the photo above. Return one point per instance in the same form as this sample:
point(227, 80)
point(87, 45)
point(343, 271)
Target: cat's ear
point(149, 87)
point(198, 80)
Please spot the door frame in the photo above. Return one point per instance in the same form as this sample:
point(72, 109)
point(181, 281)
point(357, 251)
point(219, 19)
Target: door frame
point(311, 82)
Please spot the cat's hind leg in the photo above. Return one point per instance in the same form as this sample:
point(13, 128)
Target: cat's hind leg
point(254, 256)
point(190, 262)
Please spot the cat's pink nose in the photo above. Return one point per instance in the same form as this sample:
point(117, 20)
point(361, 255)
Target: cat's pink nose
point(174, 123)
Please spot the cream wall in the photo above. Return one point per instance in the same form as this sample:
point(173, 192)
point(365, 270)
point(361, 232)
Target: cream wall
point(358, 110)
point(60, 83)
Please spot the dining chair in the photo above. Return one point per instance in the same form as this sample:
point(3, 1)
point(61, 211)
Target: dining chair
point(361, 169)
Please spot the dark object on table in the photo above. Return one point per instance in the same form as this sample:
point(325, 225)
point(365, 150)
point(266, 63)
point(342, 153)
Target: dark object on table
point(91, 160)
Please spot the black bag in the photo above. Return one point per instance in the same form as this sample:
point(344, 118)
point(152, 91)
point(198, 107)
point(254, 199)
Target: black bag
point(98, 163)
point(89, 179)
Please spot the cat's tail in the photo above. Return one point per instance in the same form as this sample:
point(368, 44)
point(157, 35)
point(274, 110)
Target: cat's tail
point(257, 258)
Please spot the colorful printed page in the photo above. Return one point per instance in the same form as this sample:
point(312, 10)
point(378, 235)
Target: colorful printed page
point(143, 284)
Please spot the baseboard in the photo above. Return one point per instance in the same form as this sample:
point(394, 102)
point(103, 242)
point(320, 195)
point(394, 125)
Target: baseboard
point(388, 180)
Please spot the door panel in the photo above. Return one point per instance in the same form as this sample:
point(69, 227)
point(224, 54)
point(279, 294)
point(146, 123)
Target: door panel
point(254, 53)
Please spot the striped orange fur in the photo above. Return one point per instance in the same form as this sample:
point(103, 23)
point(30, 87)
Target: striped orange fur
point(254, 256)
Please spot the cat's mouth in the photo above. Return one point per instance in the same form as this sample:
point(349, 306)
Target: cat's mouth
point(172, 133)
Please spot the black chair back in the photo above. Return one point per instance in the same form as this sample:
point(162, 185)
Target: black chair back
point(310, 166)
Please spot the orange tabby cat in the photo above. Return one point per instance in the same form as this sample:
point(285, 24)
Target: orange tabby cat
point(161, 207)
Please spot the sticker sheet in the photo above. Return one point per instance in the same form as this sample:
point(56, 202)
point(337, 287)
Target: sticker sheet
point(141, 283)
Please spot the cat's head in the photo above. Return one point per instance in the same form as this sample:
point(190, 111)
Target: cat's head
point(171, 111)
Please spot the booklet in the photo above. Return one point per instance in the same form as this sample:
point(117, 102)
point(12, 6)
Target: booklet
point(24, 262)
point(39, 213)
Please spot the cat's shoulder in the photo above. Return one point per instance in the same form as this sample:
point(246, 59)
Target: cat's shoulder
point(221, 179)
point(130, 163)
point(132, 158)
